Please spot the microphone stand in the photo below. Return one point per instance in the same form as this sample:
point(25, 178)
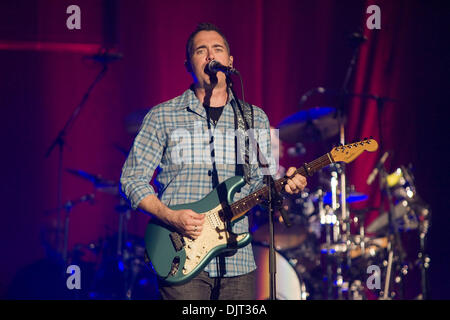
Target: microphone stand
point(274, 201)
point(60, 142)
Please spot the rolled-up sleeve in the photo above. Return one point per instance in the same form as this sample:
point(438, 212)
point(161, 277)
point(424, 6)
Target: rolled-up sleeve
point(144, 157)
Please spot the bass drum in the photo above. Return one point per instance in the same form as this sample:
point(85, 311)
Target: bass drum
point(289, 286)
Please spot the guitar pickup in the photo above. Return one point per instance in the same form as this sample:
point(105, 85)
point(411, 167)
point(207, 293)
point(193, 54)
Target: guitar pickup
point(177, 241)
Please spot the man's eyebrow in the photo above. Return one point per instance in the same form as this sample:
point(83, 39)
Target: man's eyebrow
point(200, 47)
point(217, 45)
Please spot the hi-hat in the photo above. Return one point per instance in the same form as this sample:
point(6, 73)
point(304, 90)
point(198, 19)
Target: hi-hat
point(310, 125)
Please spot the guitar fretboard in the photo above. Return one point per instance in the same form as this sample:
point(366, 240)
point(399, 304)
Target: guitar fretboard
point(243, 205)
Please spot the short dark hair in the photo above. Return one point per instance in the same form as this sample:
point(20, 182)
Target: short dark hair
point(204, 26)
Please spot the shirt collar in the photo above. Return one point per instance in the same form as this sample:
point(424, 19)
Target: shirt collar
point(189, 99)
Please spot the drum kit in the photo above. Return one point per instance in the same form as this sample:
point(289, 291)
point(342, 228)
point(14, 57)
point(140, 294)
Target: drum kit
point(327, 254)
point(113, 266)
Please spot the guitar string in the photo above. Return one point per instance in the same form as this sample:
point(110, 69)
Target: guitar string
point(313, 166)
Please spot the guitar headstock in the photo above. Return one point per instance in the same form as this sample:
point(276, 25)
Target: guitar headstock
point(351, 151)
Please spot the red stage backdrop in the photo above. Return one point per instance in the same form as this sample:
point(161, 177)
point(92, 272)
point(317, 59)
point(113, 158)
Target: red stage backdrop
point(282, 49)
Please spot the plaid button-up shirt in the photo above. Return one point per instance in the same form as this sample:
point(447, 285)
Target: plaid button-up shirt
point(174, 136)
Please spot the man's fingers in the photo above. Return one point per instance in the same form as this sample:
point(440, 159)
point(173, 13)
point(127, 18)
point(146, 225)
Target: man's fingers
point(290, 171)
point(196, 216)
point(300, 181)
point(291, 184)
point(288, 188)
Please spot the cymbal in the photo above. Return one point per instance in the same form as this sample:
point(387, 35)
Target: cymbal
point(103, 185)
point(352, 197)
point(309, 125)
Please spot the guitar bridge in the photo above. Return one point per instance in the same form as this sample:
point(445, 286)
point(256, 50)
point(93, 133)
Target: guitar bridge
point(175, 266)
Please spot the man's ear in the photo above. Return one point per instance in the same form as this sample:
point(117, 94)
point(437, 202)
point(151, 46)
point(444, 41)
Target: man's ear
point(230, 64)
point(188, 66)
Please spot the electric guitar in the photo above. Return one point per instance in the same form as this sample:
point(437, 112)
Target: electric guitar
point(176, 258)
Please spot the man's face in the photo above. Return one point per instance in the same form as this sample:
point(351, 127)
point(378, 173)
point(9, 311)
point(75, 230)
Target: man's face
point(208, 45)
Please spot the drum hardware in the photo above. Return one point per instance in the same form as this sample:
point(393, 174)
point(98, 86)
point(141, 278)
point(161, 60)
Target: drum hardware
point(329, 219)
point(123, 273)
point(356, 290)
point(67, 207)
point(100, 184)
point(407, 225)
point(388, 274)
point(339, 247)
point(393, 233)
point(60, 142)
point(123, 209)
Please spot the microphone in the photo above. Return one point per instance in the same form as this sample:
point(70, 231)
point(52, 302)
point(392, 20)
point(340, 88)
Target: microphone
point(214, 66)
point(356, 38)
point(105, 56)
point(375, 170)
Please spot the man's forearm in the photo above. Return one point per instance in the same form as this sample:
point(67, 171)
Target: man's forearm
point(151, 204)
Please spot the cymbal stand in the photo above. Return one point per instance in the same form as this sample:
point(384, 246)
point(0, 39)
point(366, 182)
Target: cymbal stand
point(330, 221)
point(68, 208)
point(327, 219)
point(356, 40)
point(387, 281)
point(60, 141)
point(393, 233)
point(123, 257)
point(124, 214)
point(424, 259)
point(338, 225)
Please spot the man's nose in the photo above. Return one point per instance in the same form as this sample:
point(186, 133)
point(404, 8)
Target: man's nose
point(210, 56)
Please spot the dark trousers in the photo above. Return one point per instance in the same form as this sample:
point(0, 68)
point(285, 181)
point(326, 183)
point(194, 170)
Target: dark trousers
point(202, 287)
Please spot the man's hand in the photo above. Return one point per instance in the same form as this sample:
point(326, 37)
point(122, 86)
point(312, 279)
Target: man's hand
point(188, 222)
point(295, 184)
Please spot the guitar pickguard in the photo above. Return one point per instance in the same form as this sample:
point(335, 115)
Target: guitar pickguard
point(214, 234)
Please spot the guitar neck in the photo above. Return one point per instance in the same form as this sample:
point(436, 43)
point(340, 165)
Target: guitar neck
point(242, 206)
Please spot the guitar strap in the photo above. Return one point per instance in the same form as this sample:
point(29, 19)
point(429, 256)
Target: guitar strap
point(243, 121)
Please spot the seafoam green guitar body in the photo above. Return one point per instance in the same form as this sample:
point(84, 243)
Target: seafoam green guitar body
point(177, 259)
